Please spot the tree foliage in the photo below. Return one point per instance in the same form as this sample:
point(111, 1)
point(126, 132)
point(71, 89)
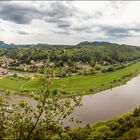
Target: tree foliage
point(44, 120)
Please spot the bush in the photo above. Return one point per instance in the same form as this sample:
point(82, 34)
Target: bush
point(15, 75)
point(92, 71)
point(55, 92)
point(98, 67)
point(104, 70)
point(111, 68)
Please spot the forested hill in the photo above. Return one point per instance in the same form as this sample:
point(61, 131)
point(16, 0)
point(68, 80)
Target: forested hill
point(81, 44)
point(103, 43)
point(86, 52)
point(39, 45)
point(95, 43)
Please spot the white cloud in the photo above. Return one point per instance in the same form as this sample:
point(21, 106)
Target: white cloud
point(69, 22)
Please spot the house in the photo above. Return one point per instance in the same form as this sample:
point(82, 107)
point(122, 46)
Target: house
point(6, 61)
point(3, 71)
point(36, 64)
point(81, 65)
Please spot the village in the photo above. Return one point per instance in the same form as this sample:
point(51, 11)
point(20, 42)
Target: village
point(26, 70)
point(6, 71)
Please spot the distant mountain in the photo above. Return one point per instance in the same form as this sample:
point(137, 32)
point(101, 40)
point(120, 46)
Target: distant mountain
point(95, 43)
point(84, 43)
point(81, 44)
point(4, 45)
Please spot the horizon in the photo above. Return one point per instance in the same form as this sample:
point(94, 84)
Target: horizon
point(71, 44)
point(69, 22)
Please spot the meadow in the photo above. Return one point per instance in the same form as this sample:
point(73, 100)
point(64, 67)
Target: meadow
point(83, 84)
point(10, 83)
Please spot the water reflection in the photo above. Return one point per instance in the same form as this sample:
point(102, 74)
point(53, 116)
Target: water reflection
point(106, 104)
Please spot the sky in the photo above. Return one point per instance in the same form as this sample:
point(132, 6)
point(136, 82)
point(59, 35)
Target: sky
point(70, 22)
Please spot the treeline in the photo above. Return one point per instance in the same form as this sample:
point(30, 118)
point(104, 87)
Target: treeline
point(91, 53)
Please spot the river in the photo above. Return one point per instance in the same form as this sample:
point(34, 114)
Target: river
point(103, 105)
point(109, 103)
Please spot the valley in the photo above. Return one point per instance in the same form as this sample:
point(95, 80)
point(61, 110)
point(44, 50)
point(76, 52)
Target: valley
point(103, 75)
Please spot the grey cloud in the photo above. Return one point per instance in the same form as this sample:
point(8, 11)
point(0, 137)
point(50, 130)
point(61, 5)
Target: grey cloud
point(109, 31)
point(23, 33)
point(59, 10)
point(98, 14)
point(115, 4)
point(63, 24)
point(62, 32)
point(86, 28)
point(20, 14)
point(119, 32)
point(53, 12)
point(83, 28)
point(118, 4)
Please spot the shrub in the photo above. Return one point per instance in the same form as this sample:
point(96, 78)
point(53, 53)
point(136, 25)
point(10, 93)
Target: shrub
point(111, 68)
point(98, 67)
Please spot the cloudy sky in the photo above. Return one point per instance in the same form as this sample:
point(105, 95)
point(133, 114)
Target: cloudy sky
point(61, 22)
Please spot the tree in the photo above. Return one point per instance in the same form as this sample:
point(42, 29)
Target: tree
point(98, 67)
point(111, 68)
point(92, 63)
point(24, 122)
point(92, 71)
point(60, 63)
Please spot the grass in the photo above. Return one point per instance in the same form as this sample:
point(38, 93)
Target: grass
point(11, 83)
point(83, 84)
point(90, 83)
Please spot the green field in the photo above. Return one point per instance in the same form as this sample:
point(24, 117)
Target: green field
point(85, 84)
point(11, 83)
